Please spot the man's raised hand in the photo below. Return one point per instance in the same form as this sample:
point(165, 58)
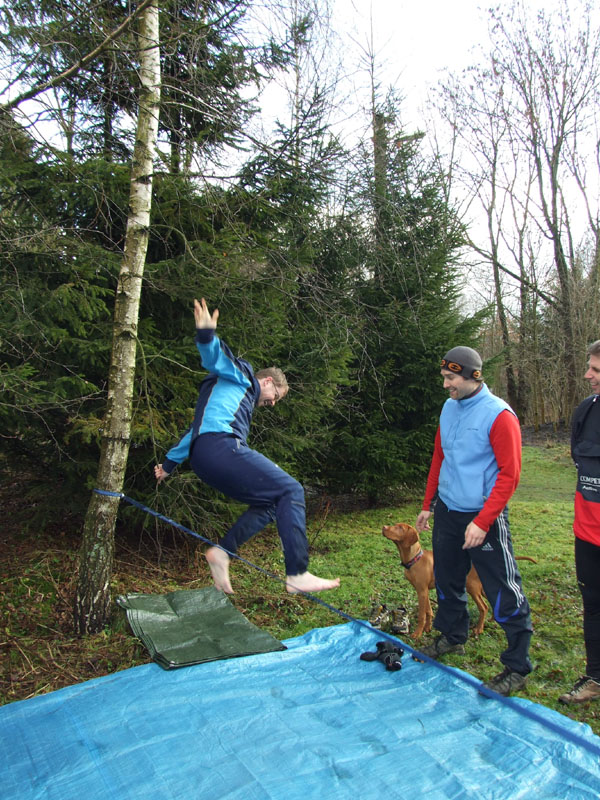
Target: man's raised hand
point(159, 473)
point(203, 317)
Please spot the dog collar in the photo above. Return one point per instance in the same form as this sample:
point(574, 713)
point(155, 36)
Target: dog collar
point(414, 560)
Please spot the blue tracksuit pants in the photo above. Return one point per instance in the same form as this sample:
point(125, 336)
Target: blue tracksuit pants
point(230, 466)
point(495, 563)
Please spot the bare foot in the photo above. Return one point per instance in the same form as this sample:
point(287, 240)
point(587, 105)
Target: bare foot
point(218, 561)
point(305, 582)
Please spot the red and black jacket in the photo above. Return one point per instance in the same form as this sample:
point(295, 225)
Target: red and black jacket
point(585, 451)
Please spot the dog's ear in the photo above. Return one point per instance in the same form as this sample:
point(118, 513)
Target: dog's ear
point(410, 534)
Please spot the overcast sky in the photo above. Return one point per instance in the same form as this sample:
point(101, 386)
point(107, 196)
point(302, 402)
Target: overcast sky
point(414, 41)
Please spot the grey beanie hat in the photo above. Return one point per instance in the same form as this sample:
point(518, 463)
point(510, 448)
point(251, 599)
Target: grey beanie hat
point(463, 361)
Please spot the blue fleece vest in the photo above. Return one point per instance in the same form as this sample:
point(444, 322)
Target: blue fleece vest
point(469, 469)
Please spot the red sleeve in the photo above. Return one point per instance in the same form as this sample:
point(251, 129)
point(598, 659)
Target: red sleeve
point(434, 472)
point(505, 438)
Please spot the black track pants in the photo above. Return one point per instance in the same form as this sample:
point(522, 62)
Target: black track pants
point(231, 467)
point(495, 563)
point(587, 565)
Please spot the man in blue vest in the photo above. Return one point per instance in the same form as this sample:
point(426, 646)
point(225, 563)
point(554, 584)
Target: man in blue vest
point(219, 455)
point(474, 471)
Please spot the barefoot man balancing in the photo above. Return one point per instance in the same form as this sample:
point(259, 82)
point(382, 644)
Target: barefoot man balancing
point(219, 455)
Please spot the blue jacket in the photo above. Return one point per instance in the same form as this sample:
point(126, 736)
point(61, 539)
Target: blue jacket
point(227, 397)
point(469, 469)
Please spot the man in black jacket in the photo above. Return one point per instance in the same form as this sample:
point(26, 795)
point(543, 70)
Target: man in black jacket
point(585, 450)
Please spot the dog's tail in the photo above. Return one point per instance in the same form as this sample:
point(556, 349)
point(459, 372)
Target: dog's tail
point(526, 558)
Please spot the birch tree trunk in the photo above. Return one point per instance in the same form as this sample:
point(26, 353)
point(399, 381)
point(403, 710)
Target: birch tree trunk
point(92, 601)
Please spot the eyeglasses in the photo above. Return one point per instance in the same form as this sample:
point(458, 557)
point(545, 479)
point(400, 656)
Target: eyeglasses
point(270, 401)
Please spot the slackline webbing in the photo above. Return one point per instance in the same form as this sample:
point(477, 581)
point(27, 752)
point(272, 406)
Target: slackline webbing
point(463, 676)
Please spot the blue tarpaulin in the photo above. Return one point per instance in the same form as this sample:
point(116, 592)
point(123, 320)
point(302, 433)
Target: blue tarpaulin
point(308, 722)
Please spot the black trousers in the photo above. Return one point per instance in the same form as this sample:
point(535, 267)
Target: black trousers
point(495, 563)
point(587, 566)
point(231, 467)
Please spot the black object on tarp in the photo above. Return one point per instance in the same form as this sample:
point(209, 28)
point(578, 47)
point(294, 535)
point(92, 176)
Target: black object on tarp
point(192, 626)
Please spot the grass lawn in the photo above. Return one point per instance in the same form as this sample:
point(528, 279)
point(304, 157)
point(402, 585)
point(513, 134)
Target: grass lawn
point(36, 594)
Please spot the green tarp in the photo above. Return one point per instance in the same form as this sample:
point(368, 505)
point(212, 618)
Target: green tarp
point(189, 627)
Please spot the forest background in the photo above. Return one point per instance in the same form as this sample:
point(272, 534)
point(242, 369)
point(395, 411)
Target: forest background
point(134, 176)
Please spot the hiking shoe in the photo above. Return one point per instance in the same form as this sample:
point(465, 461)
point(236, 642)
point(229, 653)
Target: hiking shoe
point(440, 647)
point(399, 621)
point(585, 689)
point(506, 682)
point(379, 616)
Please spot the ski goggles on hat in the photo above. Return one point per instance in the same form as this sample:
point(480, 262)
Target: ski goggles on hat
point(454, 366)
point(451, 365)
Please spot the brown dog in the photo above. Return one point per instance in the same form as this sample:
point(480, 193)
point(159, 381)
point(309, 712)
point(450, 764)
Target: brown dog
point(418, 569)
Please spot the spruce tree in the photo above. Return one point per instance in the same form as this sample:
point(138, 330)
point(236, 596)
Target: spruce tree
point(407, 294)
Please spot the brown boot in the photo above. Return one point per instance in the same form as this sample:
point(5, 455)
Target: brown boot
point(585, 689)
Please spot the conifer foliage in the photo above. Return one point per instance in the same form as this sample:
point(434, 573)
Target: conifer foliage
point(355, 301)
